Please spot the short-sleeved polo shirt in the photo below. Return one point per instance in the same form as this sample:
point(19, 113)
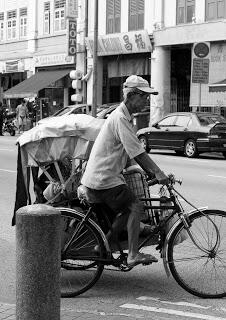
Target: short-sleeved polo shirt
point(115, 142)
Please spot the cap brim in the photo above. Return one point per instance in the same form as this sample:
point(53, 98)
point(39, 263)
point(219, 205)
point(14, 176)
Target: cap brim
point(148, 90)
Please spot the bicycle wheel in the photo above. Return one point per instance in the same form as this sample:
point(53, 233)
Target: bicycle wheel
point(200, 269)
point(79, 268)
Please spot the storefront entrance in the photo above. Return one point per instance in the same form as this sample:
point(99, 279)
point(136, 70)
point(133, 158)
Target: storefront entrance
point(117, 68)
point(180, 79)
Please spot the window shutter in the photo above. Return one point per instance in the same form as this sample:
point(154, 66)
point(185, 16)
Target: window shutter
point(23, 12)
point(59, 4)
point(110, 16)
point(11, 14)
point(180, 11)
point(132, 14)
point(220, 9)
point(140, 14)
point(47, 6)
point(117, 15)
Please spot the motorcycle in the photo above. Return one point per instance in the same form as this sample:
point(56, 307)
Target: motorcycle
point(9, 125)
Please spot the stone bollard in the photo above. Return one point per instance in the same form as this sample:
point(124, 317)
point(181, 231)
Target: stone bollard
point(38, 263)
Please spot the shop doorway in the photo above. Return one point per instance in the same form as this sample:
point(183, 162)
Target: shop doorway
point(180, 79)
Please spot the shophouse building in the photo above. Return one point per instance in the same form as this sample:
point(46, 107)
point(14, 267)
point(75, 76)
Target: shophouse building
point(177, 45)
point(34, 52)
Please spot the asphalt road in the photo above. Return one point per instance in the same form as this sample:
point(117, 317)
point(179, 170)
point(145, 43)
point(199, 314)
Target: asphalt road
point(145, 292)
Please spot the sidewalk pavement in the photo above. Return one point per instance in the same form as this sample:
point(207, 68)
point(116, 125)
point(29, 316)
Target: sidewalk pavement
point(8, 312)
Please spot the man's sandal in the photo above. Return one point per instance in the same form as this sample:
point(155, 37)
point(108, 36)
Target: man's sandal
point(141, 258)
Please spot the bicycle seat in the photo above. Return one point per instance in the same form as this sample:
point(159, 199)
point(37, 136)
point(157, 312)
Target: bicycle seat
point(86, 194)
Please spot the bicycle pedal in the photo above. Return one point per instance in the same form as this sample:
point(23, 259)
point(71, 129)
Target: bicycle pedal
point(124, 267)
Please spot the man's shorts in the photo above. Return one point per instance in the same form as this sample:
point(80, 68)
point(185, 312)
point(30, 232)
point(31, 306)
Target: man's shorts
point(118, 199)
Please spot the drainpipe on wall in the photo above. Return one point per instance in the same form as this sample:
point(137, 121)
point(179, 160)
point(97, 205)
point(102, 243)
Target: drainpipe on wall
point(163, 14)
point(85, 50)
point(95, 57)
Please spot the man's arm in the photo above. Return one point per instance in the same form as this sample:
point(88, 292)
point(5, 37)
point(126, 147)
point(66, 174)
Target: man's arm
point(149, 166)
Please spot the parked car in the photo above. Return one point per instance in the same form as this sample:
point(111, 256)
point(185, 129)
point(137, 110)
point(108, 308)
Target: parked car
point(188, 133)
point(72, 109)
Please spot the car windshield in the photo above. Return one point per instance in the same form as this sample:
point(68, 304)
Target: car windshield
point(207, 119)
point(61, 111)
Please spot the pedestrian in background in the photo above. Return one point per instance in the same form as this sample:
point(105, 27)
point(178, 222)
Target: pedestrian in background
point(1, 118)
point(22, 115)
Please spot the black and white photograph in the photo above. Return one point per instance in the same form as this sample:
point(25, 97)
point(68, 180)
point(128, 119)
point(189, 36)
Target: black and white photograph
point(112, 159)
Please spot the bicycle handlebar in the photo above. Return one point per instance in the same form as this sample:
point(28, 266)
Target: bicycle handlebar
point(172, 181)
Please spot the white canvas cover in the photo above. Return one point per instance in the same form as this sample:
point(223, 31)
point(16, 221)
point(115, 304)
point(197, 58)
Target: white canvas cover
point(71, 135)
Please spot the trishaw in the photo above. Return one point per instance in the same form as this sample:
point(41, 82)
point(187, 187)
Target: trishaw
point(192, 244)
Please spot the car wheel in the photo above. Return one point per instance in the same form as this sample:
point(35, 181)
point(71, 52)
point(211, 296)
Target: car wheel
point(224, 154)
point(144, 143)
point(190, 149)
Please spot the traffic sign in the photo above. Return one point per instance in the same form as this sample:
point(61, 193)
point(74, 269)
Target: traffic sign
point(200, 70)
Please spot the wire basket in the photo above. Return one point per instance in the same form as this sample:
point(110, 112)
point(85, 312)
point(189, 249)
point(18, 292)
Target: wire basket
point(136, 180)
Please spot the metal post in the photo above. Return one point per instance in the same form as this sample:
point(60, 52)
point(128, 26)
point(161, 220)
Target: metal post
point(85, 51)
point(95, 57)
point(200, 98)
point(38, 263)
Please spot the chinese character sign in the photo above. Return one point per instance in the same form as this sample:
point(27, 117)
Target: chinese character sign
point(121, 43)
point(72, 36)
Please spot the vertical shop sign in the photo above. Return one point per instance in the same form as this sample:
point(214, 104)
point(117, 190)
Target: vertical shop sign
point(72, 37)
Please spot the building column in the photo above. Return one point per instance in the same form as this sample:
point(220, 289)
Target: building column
point(160, 80)
point(32, 26)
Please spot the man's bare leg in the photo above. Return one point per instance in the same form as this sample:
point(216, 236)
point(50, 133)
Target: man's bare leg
point(133, 228)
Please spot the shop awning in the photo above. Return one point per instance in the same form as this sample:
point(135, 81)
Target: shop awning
point(30, 87)
point(219, 86)
point(125, 65)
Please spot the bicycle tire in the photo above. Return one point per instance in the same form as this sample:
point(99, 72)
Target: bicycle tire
point(78, 275)
point(200, 273)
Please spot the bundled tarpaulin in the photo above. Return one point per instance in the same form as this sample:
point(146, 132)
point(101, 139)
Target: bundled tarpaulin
point(219, 86)
point(66, 136)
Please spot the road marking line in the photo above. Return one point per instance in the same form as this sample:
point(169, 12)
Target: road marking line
point(186, 304)
point(171, 311)
point(11, 150)
point(5, 170)
point(187, 159)
point(212, 175)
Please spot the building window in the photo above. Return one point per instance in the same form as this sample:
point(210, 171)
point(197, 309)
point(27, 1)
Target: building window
point(23, 22)
point(185, 11)
point(215, 9)
point(59, 15)
point(113, 16)
point(46, 17)
point(136, 15)
point(11, 25)
point(1, 26)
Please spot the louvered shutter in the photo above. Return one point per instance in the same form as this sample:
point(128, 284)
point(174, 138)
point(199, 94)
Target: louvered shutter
point(117, 16)
point(140, 14)
point(180, 11)
point(110, 16)
point(132, 14)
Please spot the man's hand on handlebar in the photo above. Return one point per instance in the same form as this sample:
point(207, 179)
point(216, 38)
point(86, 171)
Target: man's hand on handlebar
point(161, 177)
